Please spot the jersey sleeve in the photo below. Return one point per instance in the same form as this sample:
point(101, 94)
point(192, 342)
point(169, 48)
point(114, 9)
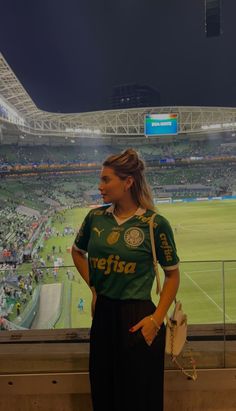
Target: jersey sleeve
point(82, 238)
point(165, 245)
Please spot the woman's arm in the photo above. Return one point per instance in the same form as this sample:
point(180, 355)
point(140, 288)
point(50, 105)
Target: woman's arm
point(168, 293)
point(81, 263)
point(150, 324)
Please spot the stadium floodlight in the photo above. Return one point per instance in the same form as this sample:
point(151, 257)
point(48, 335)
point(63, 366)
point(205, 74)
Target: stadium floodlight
point(219, 126)
point(212, 126)
point(83, 130)
point(227, 125)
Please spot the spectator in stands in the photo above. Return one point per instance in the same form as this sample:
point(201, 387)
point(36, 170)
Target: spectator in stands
point(55, 273)
point(18, 307)
point(3, 324)
point(70, 275)
point(128, 334)
point(36, 276)
point(30, 288)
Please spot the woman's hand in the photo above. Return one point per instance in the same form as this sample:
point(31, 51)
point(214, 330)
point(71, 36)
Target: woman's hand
point(149, 328)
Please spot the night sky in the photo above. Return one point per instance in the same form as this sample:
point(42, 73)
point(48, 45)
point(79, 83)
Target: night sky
point(69, 54)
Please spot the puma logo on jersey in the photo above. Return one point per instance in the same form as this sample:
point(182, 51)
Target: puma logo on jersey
point(98, 231)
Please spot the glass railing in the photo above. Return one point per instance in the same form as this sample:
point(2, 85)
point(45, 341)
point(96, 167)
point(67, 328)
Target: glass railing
point(208, 290)
point(44, 297)
point(60, 295)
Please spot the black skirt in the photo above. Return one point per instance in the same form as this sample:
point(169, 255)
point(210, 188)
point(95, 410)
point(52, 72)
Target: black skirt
point(125, 373)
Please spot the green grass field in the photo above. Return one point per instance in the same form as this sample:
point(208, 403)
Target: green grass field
point(205, 234)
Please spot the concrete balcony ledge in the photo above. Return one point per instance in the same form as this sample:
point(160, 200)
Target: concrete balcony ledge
point(49, 376)
point(214, 390)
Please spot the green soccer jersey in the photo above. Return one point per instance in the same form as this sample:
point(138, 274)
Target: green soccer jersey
point(120, 255)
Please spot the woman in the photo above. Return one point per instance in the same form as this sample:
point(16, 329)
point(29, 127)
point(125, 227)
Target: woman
point(128, 335)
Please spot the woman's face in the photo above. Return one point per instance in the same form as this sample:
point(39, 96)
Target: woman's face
point(112, 187)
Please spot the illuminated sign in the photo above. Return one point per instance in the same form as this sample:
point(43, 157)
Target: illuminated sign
point(161, 124)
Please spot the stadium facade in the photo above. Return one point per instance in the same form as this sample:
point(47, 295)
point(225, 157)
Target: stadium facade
point(18, 109)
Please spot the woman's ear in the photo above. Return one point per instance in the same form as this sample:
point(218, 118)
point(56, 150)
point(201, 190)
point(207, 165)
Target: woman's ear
point(128, 183)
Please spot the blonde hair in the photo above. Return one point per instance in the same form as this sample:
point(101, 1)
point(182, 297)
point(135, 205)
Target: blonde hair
point(127, 164)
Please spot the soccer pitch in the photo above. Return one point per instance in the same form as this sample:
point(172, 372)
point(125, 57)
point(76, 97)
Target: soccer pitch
point(205, 234)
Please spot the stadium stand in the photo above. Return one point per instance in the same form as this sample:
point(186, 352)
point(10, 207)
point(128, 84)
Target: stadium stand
point(175, 170)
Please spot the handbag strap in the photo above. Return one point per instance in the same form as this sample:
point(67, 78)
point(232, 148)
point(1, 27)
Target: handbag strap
point(191, 375)
point(154, 255)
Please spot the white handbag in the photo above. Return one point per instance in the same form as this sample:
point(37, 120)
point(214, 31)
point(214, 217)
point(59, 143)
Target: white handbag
point(176, 331)
point(176, 324)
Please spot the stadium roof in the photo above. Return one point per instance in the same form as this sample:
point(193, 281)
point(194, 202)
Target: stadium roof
point(30, 119)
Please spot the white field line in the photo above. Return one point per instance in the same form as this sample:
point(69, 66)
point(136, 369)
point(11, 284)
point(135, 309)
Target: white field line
point(202, 228)
point(209, 271)
point(207, 295)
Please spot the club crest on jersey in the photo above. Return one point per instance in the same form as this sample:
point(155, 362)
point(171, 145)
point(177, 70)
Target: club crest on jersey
point(134, 237)
point(113, 237)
